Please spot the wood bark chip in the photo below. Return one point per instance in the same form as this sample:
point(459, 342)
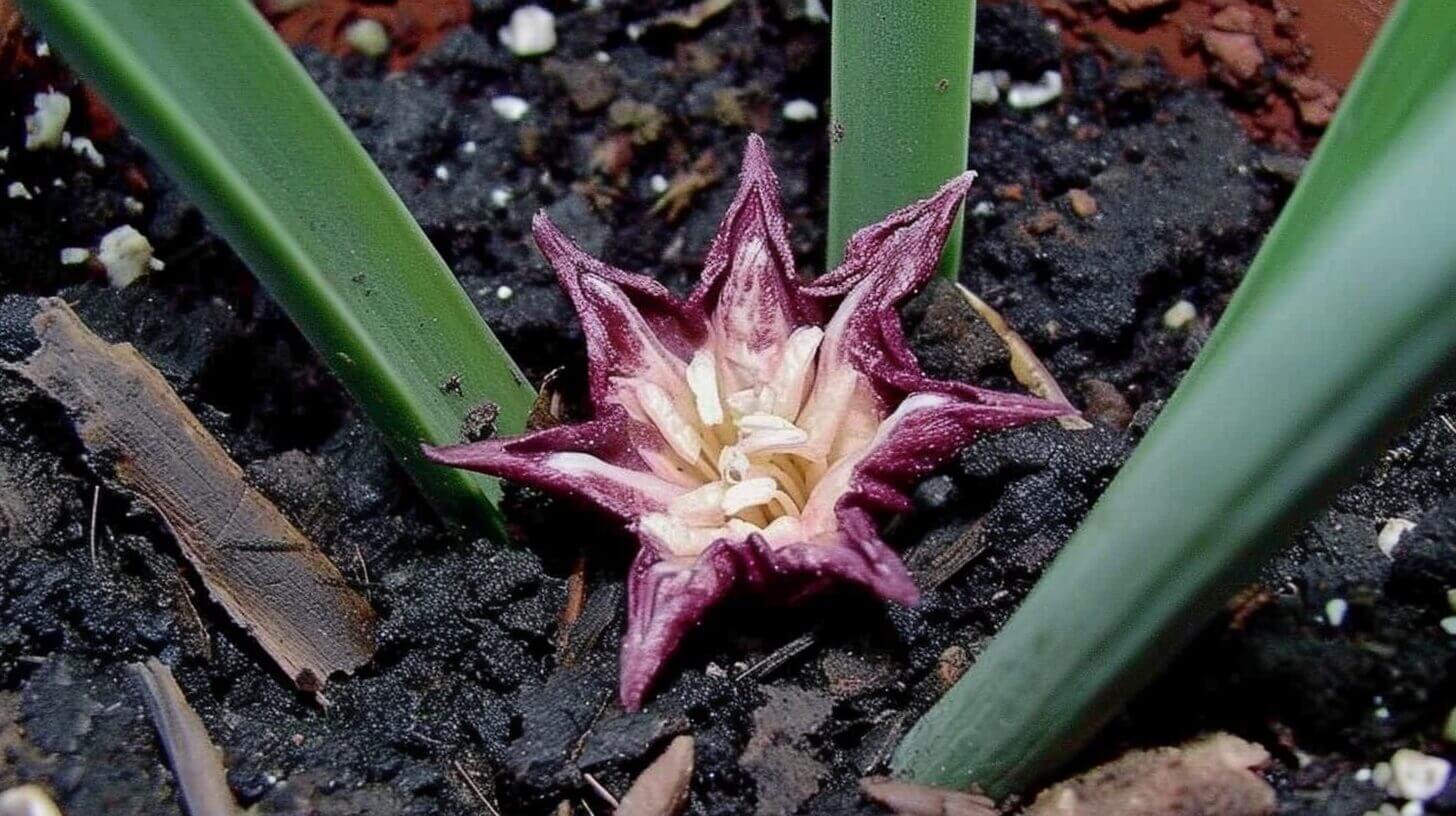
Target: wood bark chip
point(254, 562)
point(662, 789)
point(195, 760)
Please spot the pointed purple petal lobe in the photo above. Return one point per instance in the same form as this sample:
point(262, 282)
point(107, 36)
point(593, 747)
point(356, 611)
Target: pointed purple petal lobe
point(667, 597)
point(884, 264)
point(749, 286)
point(925, 431)
point(634, 326)
point(596, 462)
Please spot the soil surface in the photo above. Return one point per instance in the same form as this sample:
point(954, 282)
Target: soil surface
point(476, 689)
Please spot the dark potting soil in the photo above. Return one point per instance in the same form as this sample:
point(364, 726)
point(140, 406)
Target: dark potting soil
point(472, 674)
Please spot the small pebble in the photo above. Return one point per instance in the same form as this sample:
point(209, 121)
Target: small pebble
point(1391, 534)
point(42, 48)
point(1180, 315)
point(814, 11)
point(45, 128)
point(1449, 624)
point(1418, 776)
point(1362, 775)
point(1335, 611)
point(71, 256)
point(469, 148)
point(133, 206)
point(1027, 95)
point(510, 108)
point(504, 292)
point(127, 255)
point(658, 183)
point(983, 88)
point(530, 33)
point(602, 57)
point(17, 190)
point(800, 110)
point(86, 149)
point(983, 209)
point(1083, 204)
point(500, 197)
point(442, 172)
point(368, 37)
point(1412, 808)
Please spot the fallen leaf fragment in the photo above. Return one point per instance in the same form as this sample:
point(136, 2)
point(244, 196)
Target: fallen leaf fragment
point(910, 799)
point(195, 760)
point(662, 789)
point(1211, 776)
point(255, 563)
point(1025, 365)
point(691, 17)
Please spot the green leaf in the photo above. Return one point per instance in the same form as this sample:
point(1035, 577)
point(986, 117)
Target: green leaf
point(232, 117)
point(1346, 316)
point(900, 105)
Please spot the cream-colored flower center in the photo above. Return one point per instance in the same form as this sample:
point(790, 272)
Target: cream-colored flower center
point(739, 451)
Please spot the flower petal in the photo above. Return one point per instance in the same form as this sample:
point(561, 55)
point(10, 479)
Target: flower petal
point(923, 432)
point(748, 285)
point(666, 597)
point(635, 328)
point(598, 462)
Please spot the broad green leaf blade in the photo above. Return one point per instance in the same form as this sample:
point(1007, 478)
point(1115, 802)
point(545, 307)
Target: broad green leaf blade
point(900, 107)
point(227, 111)
point(1330, 348)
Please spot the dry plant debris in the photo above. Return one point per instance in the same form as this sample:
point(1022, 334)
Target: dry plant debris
point(1025, 365)
point(269, 577)
point(195, 760)
point(662, 789)
point(909, 799)
point(691, 17)
point(1211, 776)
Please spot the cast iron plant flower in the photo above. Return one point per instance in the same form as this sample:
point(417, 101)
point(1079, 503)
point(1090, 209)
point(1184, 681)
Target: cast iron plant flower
point(747, 434)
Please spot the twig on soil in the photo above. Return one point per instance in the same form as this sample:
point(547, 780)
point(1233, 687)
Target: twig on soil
point(196, 617)
point(474, 788)
point(601, 791)
point(778, 657)
point(571, 610)
point(255, 563)
point(195, 760)
point(91, 536)
point(934, 569)
point(1449, 425)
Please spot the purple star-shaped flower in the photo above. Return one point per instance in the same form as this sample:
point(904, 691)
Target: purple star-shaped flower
point(747, 434)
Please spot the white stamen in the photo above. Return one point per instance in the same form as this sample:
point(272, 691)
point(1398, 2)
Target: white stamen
point(748, 493)
point(675, 428)
point(733, 464)
point(768, 432)
point(794, 368)
point(703, 382)
point(702, 507)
